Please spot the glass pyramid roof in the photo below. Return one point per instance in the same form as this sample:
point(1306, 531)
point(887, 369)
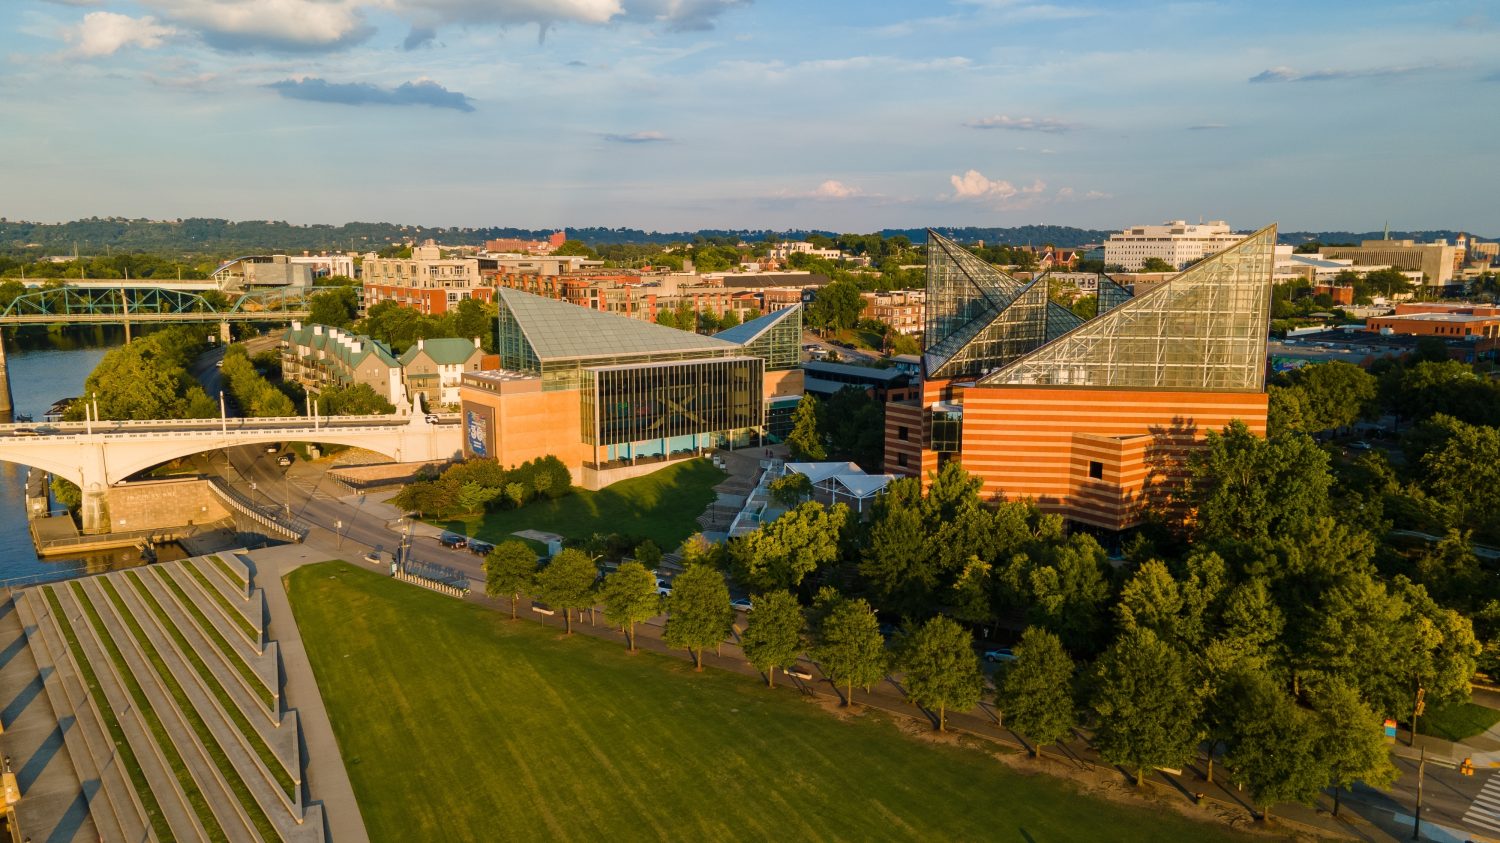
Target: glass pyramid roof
point(748, 332)
point(558, 330)
point(1203, 329)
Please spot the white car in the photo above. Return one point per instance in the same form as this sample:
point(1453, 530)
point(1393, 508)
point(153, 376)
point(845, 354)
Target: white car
point(742, 604)
point(663, 588)
point(1001, 655)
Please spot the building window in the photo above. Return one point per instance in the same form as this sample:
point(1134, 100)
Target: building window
point(901, 433)
point(901, 458)
point(1096, 470)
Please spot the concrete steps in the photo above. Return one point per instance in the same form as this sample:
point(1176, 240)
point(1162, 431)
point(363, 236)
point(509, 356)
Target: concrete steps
point(180, 815)
point(116, 811)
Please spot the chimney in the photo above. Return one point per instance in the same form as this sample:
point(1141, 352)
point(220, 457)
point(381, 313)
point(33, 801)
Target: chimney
point(477, 343)
point(420, 344)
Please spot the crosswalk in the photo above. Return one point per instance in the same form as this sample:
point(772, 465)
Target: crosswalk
point(1484, 811)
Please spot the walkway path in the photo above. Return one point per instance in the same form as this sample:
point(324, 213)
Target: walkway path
point(326, 775)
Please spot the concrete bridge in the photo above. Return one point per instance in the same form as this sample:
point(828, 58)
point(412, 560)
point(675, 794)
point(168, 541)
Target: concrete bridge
point(95, 455)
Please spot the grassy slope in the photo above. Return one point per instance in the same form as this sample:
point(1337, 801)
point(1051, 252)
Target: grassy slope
point(662, 506)
point(1458, 722)
point(456, 724)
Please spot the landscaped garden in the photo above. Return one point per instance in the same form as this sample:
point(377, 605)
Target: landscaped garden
point(458, 724)
point(662, 506)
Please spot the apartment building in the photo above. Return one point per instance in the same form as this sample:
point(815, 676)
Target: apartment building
point(1177, 242)
point(516, 245)
point(434, 368)
point(427, 281)
point(903, 310)
point(322, 357)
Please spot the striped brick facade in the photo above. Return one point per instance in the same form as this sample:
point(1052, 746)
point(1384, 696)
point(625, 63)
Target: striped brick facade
point(1092, 455)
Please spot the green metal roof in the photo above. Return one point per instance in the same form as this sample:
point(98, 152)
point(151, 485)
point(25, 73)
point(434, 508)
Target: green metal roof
point(444, 351)
point(557, 330)
point(748, 332)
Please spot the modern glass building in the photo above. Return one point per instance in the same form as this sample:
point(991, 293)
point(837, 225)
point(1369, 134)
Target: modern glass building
point(609, 394)
point(1090, 418)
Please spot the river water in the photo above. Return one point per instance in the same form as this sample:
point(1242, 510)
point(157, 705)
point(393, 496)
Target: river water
point(43, 369)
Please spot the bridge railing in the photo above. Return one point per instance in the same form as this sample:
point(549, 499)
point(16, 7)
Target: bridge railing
point(258, 424)
point(289, 528)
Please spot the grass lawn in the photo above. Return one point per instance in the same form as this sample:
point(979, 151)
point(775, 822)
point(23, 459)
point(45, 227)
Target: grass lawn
point(860, 338)
point(1457, 722)
point(662, 506)
point(457, 724)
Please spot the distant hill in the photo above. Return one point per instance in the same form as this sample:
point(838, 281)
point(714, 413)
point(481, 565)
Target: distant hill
point(227, 238)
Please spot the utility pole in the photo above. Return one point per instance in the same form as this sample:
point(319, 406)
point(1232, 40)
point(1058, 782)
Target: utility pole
point(1416, 829)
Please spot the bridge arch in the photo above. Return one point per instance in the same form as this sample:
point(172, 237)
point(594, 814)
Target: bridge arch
point(132, 461)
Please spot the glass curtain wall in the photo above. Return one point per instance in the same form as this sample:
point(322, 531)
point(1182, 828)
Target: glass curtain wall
point(672, 401)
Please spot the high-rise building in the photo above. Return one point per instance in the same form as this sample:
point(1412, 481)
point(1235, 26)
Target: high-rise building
point(1177, 242)
point(1436, 261)
point(1091, 419)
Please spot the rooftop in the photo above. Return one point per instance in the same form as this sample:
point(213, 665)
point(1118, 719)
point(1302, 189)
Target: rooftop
point(557, 330)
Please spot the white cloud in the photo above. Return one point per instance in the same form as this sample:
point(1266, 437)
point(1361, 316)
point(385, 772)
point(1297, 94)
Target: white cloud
point(638, 137)
point(974, 185)
point(106, 33)
point(833, 189)
point(278, 24)
point(1021, 124)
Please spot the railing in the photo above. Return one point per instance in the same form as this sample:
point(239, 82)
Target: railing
point(289, 528)
point(159, 533)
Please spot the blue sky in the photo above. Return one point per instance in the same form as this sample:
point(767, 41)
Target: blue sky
point(684, 114)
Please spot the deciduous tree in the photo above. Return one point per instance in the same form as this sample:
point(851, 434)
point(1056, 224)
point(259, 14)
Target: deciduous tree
point(850, 648)
point(1146, 704)
point(1036, 692)
point(630, 597)
point(805, 442)
point(941, 669)
point(510, 569)
point(699, 614)
point(774, 637)
point(568, 583)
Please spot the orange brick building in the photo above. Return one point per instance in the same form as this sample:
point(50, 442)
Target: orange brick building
point(1091, 419)
point(1428, 319)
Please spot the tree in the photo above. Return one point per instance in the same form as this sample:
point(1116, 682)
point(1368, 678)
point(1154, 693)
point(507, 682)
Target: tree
point(850, 648)
point(941, 669)
point(648, 554)
point(510, 569)
point(804, 441)
point(472, 497)
point(1245, 488)
point(1146, 704)
point(568, 583)
point(774, 636)
point(698, 612)
point(780, 554)
point(1036, 692)
point(334, 306)
point(790, 489)
point(1157, 265)
point(1352, 745)
point(355, 400)
point(1335, 394)
point(630, 597)
point(1273, 744)
point(835, 306)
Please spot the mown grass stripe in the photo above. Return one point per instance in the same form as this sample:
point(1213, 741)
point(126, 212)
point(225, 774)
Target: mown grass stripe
point(195, 720)
point(179, 767)
point(235, 615)
point(245, 670)
point(267, 757)
point(230, 574)
point(154, 815)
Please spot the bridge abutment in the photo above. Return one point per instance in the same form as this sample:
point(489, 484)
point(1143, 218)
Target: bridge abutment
point(6, 405)
point(94, 511)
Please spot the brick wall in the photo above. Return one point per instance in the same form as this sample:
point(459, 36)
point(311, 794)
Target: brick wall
point(159, 504)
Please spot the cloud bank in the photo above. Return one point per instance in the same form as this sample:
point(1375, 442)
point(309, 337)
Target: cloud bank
point(421, 92)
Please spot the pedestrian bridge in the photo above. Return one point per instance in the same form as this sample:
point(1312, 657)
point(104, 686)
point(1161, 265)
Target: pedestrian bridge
point(95, 455)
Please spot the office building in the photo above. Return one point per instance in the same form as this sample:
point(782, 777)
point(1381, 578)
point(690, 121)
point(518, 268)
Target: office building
point(427, 281)
point(1091, 419)
point(1177, 242)
point(1437, 262)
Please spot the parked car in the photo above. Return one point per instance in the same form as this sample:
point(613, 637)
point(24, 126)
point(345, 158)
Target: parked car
point(284, 460)
point(373, 557)
point(1362, 446)
point(742, 604)
point(663, 588)
point(1001, 655)
point(271, 449)
point(453, 540)
point(480, 548)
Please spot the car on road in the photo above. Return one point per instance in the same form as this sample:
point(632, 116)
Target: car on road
point(373, 557)
point(284, 460)
point(480, 548)
point(273, 448)
point(24, 431)
point(1362, 446)
point(742, 604)
point(453, 540)
point(663, 588)
point(1001, 655)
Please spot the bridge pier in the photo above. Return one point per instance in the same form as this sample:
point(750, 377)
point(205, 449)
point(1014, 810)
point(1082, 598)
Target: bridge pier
point(94, 512)
point(6, 405)
point(224, 336)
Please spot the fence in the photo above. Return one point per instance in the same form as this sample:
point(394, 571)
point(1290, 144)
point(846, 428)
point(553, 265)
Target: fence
point(288, 528)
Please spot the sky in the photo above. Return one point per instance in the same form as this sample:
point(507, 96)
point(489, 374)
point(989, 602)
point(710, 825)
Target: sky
point(847, 115)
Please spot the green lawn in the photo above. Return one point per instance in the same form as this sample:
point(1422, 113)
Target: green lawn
point(458, 724)
point(1457, 722)
point(662, 506)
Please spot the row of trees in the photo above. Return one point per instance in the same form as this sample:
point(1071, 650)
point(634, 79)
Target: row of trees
point(400, 327)
point(253, 393)
point(149, 379)
point(475, 485)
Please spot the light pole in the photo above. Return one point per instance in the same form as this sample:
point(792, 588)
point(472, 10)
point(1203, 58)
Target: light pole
point(338, 529)
point(1416, 829)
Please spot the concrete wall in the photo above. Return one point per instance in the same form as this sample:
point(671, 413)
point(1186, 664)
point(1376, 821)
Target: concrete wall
point(158, 504)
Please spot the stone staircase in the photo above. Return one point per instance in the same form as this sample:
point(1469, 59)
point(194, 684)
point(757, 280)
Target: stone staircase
point(174, 696)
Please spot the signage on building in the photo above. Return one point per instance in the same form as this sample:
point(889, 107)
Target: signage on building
point(478, 428)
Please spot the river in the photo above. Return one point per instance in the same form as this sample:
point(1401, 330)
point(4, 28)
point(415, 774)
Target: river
point(43, 368)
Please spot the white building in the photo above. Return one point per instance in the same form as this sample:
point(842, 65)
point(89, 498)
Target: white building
point(1177, 242)
point(785, 249)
